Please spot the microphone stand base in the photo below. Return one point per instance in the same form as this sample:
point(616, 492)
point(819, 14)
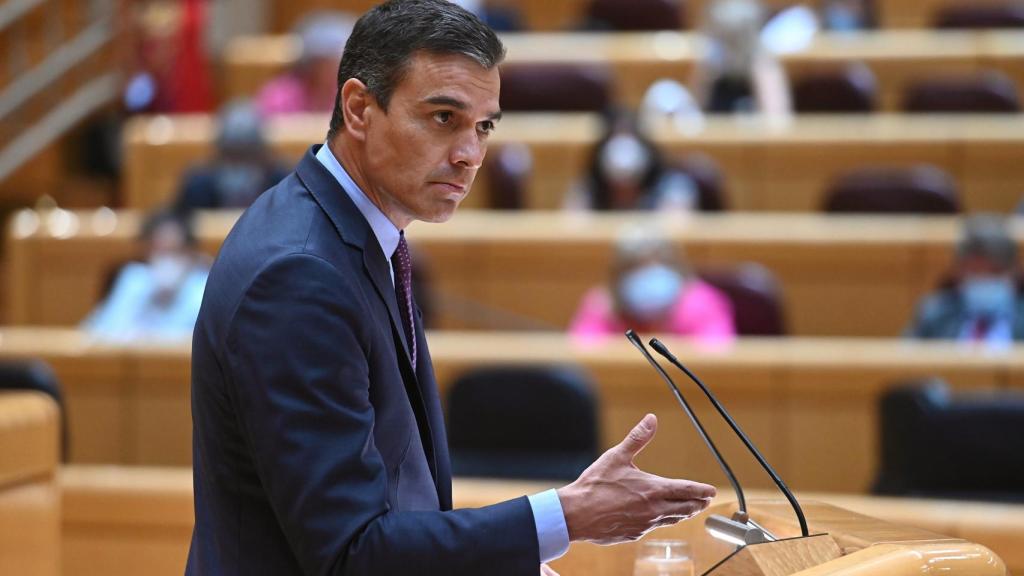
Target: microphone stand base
point(779, 558)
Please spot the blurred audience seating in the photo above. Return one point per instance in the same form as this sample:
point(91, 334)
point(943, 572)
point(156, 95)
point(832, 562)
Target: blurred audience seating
point(766, 165)
point(555, 87)
point(506, 171)
point(983, 92)
point(936, 444)
point(711, 193)
point(986, 14)
point(528, 422)
point(822, 263)
point(636, 60)
point(847, 88)
point(810, 403)
point(565, 14)
point(30, 504)
point(636, 15)
point(36, 376)
point(919, 189)
point(756, 297)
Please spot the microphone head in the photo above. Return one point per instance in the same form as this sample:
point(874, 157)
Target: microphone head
point(632, 337)
point(660, 348)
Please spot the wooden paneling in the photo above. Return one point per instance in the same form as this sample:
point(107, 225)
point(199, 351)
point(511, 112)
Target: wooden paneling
point(123, 521)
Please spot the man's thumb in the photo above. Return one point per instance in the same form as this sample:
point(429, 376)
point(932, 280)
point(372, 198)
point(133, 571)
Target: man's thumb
point(640, 435)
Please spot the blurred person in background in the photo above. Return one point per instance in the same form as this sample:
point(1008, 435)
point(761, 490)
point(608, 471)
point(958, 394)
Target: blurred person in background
point(738, 73)
point(845, 15)
point(311, 84)
point(500, 15)
point(240, 171)
point(981, 302)
point(652, 290)
point(157, 299)
point(628, 172)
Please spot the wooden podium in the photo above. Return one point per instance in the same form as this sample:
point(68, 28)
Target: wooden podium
point(842, 543)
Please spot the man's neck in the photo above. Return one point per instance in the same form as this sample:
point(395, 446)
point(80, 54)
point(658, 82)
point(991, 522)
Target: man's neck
point(347, 158)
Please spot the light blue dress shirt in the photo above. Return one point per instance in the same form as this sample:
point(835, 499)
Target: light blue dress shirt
point(548, 517)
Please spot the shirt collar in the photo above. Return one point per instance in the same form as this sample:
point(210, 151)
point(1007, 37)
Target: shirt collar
point(384, 229)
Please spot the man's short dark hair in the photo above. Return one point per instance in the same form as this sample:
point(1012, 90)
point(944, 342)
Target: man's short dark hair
point(386, 37)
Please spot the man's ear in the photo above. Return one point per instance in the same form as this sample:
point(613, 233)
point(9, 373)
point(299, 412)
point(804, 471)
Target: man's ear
point(355, 103)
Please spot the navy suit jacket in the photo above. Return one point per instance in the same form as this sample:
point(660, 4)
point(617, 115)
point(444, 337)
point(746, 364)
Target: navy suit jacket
point(317, 447)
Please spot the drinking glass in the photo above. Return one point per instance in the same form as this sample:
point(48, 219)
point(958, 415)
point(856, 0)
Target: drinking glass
point(663, 558)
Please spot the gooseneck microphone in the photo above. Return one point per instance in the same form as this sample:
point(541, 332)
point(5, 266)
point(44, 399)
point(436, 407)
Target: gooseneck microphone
point(661, 349)
point(742, 502)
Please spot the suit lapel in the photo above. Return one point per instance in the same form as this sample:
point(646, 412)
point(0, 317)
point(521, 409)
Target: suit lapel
point(439, 439)
point(356, 231)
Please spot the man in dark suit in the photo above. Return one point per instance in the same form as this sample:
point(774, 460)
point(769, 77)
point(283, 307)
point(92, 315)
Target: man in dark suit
point(319, 444)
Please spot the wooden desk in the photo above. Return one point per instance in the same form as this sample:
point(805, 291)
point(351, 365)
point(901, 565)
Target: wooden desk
point(841, 276)
point(897, 57)
point(121, 521)
point(565, 14)
point(768, 166)
point(809, 404)
point(29, 496)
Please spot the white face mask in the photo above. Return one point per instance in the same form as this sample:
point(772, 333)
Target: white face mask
point(624, 159)
point(650, 291)
point(168, 270)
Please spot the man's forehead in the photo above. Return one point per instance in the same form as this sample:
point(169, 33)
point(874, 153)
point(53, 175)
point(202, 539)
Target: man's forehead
point(433, 77)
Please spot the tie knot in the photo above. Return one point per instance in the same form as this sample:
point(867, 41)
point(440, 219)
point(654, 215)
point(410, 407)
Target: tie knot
point(401, 259)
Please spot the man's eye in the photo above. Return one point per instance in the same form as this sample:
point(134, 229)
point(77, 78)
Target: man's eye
point(487, 126)
point(443, 117)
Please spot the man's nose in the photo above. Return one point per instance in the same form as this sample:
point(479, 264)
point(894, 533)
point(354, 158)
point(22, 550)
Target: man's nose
point(469, 150)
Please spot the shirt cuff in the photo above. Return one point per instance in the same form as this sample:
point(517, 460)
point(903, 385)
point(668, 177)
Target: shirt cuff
point(552, 533)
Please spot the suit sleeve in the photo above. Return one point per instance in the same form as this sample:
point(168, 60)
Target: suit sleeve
point(297, 352)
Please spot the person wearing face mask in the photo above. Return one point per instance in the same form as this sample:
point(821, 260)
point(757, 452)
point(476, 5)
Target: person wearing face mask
point(846, 15)
point(652, 291)
point(157, 299)
point(738, 73)
point(983, 304)
point(628, 172)
point(242, 169)
point(310, 84)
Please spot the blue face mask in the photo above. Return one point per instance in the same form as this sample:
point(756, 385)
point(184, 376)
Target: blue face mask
point(988, 297)
point(842, 19)
point(650, 291)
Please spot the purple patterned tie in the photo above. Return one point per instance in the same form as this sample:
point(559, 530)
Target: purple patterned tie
point(402, 264)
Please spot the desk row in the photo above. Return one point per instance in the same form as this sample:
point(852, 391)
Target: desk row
point(809, 404)
point(763, 165)
point(838, 275)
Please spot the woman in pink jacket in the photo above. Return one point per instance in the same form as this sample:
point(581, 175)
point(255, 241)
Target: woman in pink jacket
point(652, 290)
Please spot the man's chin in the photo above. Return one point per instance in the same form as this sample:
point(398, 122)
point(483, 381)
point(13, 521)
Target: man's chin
point(442, 214)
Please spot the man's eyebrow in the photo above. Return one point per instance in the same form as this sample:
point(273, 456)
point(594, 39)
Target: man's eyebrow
point(447, 101)
point(442, 100)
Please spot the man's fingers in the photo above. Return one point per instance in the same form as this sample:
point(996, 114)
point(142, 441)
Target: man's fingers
point(639, 436)
point(687, 490)
point(683, 509)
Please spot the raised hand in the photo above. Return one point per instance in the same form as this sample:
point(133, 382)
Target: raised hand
point(614, 501)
